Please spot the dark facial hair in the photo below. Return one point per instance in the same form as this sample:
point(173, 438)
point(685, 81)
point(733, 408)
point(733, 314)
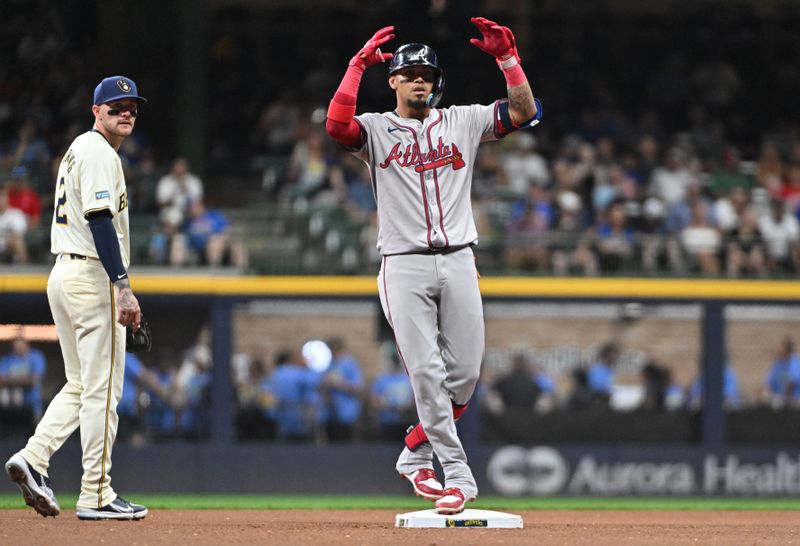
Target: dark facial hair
point(419, 104)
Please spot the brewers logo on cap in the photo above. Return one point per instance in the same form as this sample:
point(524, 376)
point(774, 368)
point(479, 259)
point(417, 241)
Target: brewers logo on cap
point(115, 88)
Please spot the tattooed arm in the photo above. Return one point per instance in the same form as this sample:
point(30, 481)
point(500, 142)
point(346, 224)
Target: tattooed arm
point(499, 42)
point(521, 105)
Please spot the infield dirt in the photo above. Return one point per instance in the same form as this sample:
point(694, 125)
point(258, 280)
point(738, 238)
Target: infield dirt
point(376, 527)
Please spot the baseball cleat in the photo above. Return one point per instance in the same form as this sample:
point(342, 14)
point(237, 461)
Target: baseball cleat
point(118, 509)
point(35, 488)
point(425, 483)
point(452, 501)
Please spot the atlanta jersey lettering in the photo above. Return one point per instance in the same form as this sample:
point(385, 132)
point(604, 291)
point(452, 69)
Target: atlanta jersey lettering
point(90, 179)
point(422, 175)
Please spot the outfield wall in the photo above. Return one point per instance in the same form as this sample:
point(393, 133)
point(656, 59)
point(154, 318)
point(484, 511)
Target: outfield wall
point(508, 470)
point(687, 323)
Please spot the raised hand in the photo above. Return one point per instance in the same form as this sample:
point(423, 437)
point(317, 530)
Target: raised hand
point(498, 41)
point(371, 52)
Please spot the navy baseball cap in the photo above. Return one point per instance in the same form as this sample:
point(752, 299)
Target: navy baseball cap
point(116, 88)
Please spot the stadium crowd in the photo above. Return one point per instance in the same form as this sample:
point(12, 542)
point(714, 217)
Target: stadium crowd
point(671, 184)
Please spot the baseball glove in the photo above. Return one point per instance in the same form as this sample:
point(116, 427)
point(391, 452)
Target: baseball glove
point(141, 339)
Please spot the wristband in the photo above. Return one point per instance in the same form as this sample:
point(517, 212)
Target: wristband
point(507, 63)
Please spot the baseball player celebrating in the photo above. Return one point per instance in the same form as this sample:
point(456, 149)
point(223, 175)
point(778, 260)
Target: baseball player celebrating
point(91, 241)
point(421, 160)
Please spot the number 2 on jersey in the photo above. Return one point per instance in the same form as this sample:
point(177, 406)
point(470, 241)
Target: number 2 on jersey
point(61, 213)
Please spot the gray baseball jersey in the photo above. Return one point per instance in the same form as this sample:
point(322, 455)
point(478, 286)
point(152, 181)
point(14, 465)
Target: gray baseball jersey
point(422, 177)
point(422, 174)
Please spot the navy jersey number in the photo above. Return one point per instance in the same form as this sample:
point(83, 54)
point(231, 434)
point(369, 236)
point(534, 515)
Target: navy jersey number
point(61, 212)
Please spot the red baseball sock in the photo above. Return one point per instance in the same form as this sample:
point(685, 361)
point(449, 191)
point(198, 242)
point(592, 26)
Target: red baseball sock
point(416, 435)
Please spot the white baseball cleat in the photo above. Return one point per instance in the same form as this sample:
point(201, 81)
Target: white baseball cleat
point(452, 501)
point(425, 483)
point(35, 488)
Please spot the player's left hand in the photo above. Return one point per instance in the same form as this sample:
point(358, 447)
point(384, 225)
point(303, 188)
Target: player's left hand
point(371, 52)
point(140, 339)
point(498, 41)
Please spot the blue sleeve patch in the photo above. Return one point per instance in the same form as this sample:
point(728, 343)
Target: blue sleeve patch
point(102, 195)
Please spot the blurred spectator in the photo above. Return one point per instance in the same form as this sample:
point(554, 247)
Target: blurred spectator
point(159, 415)
point(21, 196)
point(297, 402)
point(255, 401)
point(488, 175)
point(647, 158)
point(790, 192)
point(728, 175)
point(781, 234)
point(600, 375)
point(189, 397)
point(728, 209)
point(178, 189)
point(614, 242)
point(21, 374)
point(745, 250)
point(653, 235)
point(731, 397)
point(702, 242)
point(523, 166)
point(142, 183)
point(275, 131)
point(660, 392)
point(341, 389)
point(783, 380)
point(769, 168)
point(350, 179)
point(12, 231)
point(138, 380)
point(517, 390)
point(28, 148)
point(582, 397)
point(527, 232)
point(670, 182)
point(308, 167)
point(570, 249)
point(547, 388)
point(393, 399)
point(208, 240)
point(167, 244)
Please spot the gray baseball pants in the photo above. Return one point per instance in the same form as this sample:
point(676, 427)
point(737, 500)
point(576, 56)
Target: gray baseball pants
point(433, 303)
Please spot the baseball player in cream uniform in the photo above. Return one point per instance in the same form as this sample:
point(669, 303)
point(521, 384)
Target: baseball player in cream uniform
point(421, 160)
point(92, 303)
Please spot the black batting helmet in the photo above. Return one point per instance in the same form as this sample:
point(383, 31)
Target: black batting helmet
point(420, 55)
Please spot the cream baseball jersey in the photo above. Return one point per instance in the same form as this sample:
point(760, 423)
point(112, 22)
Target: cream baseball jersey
point(90, 178)
point(422, 175)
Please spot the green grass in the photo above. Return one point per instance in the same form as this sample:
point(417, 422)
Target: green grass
point(362, 502)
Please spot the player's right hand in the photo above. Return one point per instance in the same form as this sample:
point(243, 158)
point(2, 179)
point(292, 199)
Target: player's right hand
point(128, 311)
point(371, 52)
point(498, 41)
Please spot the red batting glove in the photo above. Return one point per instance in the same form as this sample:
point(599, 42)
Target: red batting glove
point(498, 41)
point(371, 52)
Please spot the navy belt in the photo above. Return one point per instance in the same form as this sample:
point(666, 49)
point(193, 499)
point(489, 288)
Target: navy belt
point(435, 251)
